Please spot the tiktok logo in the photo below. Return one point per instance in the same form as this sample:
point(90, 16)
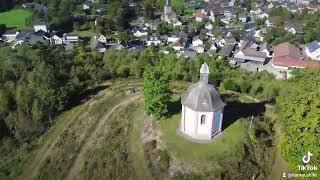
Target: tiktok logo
point(306, 159)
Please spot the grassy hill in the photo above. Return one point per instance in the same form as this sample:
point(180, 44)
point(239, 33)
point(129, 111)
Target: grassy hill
point(15, 18)
point(101, 138)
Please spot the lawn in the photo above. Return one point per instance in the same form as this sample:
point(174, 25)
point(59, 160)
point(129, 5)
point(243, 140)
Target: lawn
point(201, 152)
point(15, 18)
point(181, 5)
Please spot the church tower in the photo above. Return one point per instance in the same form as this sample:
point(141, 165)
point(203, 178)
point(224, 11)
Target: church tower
point(202, 109)
point(167, 12)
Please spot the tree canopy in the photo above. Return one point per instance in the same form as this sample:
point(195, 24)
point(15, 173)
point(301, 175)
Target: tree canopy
point(156, 92)
point(299, 113)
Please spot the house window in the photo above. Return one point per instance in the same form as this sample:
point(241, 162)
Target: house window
point(203, 119)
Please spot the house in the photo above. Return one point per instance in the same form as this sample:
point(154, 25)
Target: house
point(40, 25)
point(199, 16)
point(202, 109)
point(250, 52)
point(120, 46)
point(313, 50)
point(57, 38)
point(209, 26)
point(197, 41)
point(10, 35)
point(293, 27)
point(243, 18)
point(255, 11)
point(97, 45)
point(188, 53)
point(226, 50)
point(155, 40)
point(85, 6)
point(101, 38)
point(173, 39)
point(23, 36)
point(288, 56)
point(178, 46)
point(137, 32)
point(262, 15)
point(43, 34)
point(70, 38)
point(199, 49)
point(213, 48)
point(39, 36)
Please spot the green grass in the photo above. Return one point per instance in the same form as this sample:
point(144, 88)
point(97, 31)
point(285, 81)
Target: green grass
point(181, 4)
point(15, 18)
point(200, 152)
point(136, 151)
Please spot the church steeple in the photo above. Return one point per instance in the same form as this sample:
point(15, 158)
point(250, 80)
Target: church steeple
point(204, 73)
point(168, 3)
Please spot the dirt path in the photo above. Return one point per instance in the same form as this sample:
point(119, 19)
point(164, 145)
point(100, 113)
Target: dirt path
point(41, 155)
point(78, 162)
point(136, 151)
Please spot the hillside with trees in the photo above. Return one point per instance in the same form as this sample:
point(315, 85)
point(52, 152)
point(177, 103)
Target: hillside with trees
point(38, 84)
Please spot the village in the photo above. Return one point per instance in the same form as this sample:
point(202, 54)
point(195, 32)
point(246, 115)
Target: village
point(213, 27)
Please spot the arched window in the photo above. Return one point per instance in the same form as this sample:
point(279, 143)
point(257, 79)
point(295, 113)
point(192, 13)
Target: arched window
point(203, 119)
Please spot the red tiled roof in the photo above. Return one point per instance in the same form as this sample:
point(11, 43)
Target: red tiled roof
point(177, 44)
point(199, 14)
point(309, 6)
point(288, 55)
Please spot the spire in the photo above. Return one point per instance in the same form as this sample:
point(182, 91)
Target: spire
point(204, 73)
point(168, 3)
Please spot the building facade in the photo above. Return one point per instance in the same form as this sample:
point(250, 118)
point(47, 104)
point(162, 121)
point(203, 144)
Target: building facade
point(202, 109)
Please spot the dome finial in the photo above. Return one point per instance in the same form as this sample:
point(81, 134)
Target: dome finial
point(204, 73)
point(204, 68)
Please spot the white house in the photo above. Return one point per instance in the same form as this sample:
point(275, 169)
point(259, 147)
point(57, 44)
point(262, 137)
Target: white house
point(173, 39)
point(10, 35)
point(197, 42)
point(40, 26)
point(213, 48)
point(262, 15)
point(208, 26)
point(140, 33)
point(268, 23)
point(199, 49)
point(85, 6)
point(153, 40)
point(313, 50)
point(70, 38)
point(56, 39)
point(101, 38)
point(202, 109)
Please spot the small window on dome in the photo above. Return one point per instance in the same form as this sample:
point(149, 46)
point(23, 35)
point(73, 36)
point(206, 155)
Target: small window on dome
point(203, 119)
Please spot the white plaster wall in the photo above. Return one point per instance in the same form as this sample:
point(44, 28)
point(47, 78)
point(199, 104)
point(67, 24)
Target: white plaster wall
point(40, 27)
point(190, 122)
point(204, 130)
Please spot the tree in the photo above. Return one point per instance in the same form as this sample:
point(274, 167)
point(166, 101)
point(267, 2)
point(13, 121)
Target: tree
point(148, 9)
point(156, 92)
point(299, 108)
